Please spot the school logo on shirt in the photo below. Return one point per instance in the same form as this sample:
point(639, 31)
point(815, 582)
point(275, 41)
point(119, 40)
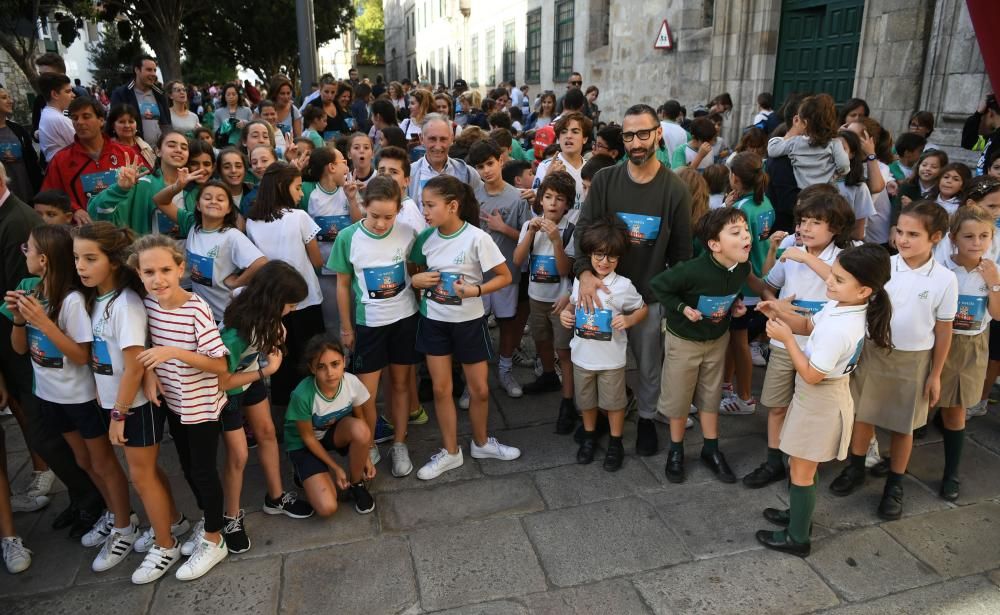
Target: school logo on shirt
point(459, 258)
point(594, 325)
point(213, 252)
point(923, 295)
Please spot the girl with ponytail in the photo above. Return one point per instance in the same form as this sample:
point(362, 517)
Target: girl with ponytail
point(817, 427)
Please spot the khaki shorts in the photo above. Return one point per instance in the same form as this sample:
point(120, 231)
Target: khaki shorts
point(692, 374)
point(779, 379)
point(546, 327)
point(603, 389)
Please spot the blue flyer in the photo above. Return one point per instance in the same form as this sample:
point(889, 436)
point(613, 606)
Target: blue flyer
point(444, 292)
point(330, 135)
point(385, 282)
point(971, 311)
point(642, 230)
point(594, 325)
point(715, 308)
point(10, 151)
point(543, 269)
point(149, 110)
point(100, 358)
point(329, 226)
point(201, 267)
point(43, 351)
point(808, 308)
point(94, 183)
point(765, 221)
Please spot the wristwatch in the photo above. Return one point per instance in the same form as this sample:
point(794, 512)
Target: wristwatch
point(118, 415)
point(995, 288)
point(871, 157)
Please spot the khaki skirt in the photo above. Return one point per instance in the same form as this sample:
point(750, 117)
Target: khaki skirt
point(888, 388)
point(818, 424)
point(965, 370)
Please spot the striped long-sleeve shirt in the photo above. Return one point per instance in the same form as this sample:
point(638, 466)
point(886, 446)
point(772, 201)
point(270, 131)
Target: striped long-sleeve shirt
point(189, 392)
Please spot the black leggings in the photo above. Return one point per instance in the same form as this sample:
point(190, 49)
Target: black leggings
point(300, 326)
point(197, 446)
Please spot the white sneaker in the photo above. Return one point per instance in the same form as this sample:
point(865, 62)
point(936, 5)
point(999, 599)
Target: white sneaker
point(147, 539)
point(493, 450)
point(979, 409)
point(872, 457)
point(440, 462)
point(734, 406)
point(727, 391)
point(23, 502)
point(100, 531)
point(15, 554)
point(401, 464)
point(510, 385)
point(205, 556)
point(374, 454)
point(41, 483)
point(194, 537)
point(156, 563)
point(463, 401)
point(757, 355)
point(115, 549)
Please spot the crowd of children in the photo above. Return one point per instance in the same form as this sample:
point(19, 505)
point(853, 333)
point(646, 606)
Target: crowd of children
point(216, 291)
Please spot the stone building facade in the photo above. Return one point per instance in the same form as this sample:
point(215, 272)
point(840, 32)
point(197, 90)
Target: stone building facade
point(899, 55)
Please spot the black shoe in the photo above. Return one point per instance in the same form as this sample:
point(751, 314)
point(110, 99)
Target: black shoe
point(949, 488)
point(82, 524)
point(777, 516)
point(764, 475)
point(364, 503)
point(66, 518)
point(880, 469)
point(646, 442)
point(615, 456)
point(567, 417)
point(781, 541)
point(716, 462)
point(585, 454)
point(675, 466)
point(920, 433)
point(891, 506)
point(849, 481)
point(235, 534)
point(601, 428)
point(546, 383)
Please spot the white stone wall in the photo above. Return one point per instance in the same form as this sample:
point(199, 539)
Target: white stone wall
point(14, 80)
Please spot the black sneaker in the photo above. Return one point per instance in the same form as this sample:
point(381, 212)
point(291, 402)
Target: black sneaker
point(83, 523)
point(364, 503)
point(66, 518)
point(646, 442)
point(545, 383)
point(235, 534)
point(288, 504)
point(567, 417)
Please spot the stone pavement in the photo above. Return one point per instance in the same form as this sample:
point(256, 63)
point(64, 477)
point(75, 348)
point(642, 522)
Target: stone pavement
point(545, 535)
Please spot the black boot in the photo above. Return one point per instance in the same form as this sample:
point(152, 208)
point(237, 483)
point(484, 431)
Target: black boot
point(567, 417)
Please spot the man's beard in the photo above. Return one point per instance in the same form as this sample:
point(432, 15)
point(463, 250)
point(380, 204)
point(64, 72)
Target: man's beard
point(639, 158)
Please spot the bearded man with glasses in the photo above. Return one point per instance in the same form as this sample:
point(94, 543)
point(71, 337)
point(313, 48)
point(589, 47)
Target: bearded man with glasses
point(655, 207)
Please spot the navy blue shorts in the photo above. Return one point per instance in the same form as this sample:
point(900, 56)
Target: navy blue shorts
point(87, 418)
point(753, 322)
point(306, 464)
point(468, 342)
point(144, 424)
point(376, 347)
point(994, 341)
point(231, 417)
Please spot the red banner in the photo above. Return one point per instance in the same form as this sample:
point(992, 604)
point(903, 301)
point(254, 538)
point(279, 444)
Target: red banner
point(985, 16)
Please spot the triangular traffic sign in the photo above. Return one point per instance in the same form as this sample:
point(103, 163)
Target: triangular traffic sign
point(663, 39)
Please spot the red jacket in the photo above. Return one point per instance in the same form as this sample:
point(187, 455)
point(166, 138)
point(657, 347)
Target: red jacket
point(74, 172)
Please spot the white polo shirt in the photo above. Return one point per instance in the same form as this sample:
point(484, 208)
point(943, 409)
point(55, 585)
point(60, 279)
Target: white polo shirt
point(920, 298)
point(834, 346)
point(973, 315)
point(794, 278)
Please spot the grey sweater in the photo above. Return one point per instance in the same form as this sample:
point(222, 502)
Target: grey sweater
point(810, 164)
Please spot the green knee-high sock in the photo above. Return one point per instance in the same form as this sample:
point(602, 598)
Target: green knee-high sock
point(802, 502)
point(953, 443)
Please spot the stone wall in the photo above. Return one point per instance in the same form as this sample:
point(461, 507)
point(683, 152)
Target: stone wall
point(13, 79)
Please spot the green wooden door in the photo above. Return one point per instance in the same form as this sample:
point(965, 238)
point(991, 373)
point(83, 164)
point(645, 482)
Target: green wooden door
point(818, 47)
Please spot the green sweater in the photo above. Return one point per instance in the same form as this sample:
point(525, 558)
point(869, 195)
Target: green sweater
point(707, 286)
point(133, 208)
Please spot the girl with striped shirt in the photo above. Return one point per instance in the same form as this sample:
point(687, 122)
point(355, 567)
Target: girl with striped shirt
point(188, 356)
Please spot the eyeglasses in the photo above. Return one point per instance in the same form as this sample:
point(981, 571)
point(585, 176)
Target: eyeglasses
point(601, 256)
point(576, 83)
point(642, 134)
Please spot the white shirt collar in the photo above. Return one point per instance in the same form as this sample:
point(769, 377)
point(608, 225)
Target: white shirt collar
point(924, 270)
